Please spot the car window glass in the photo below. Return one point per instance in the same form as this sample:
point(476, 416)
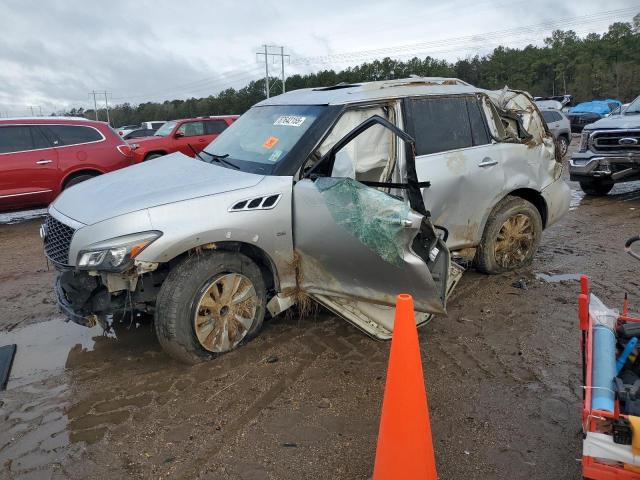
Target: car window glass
point(440, 124)
point(38, 138)
point(214, 127)
point(549, 116)
point(15, 139)
point(74, 134)
point(479, 133)
point(191, 129)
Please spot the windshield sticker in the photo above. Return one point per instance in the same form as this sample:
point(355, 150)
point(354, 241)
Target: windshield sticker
point(270, 142)
point(290, 120)
point(275, 156)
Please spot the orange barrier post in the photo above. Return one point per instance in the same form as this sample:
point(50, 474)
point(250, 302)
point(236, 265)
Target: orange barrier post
point(405, 447)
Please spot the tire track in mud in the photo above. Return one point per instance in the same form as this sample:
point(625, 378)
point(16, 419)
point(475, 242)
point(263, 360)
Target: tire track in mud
point(306, 352)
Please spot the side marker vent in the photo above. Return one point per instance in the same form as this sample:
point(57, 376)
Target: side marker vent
point(265, 202)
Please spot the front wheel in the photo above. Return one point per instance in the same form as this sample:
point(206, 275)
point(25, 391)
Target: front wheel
point(511, 236)
point(209, 304)
point(596, 188)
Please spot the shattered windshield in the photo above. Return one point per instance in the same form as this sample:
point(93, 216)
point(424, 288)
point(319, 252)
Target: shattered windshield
point(264, 136)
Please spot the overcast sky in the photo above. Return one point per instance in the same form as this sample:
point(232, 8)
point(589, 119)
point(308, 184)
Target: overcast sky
point(52, 53)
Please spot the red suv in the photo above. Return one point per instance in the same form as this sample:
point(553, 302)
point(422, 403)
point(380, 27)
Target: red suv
point(40, 157)
point(181, 136)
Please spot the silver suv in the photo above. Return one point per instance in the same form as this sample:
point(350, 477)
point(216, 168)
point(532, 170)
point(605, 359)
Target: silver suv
point(347, 195)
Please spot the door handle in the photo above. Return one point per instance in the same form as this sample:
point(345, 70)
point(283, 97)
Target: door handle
point(43, 162)
point(487, 162)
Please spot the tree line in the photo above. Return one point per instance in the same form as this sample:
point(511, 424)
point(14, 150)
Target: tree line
point(592, 67)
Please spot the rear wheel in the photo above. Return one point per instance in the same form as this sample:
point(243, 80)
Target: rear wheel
point(511, 236)
point(152, 156)
point(597, 188)
point(209, 304)
point(78, 179)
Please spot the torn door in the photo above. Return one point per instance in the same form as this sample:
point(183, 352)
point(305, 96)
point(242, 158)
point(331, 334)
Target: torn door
point(359, 247)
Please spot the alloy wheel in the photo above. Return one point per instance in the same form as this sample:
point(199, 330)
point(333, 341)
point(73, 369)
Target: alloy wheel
point(225, 312)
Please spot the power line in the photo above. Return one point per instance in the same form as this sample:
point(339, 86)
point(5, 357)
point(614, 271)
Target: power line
point(465, 40)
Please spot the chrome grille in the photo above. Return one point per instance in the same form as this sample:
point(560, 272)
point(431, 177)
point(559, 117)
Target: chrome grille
point(57, 240)
point(616, 141)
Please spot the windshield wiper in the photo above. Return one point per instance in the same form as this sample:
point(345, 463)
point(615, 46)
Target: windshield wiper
point(220, 159)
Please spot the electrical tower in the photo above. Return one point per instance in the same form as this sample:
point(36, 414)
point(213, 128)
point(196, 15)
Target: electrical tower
point(95, 103)
point(268, 54)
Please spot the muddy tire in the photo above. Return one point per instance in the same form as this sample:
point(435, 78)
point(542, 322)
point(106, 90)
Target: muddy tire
point(511, 236)
point(209, 304)
point(596, 188)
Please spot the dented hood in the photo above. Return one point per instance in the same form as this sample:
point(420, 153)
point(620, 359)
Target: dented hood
point(168, 179)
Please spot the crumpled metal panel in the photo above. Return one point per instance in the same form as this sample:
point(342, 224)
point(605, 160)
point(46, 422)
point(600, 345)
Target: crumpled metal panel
point(375, 218)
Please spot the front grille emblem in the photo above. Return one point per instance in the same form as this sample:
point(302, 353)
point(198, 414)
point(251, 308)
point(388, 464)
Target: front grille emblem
point(628, 141)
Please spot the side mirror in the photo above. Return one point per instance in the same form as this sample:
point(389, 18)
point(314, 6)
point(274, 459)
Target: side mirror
point(179, 134)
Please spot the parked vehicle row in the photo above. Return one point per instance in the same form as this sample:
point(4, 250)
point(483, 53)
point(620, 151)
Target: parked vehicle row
point(345, 194)
point(40, 157)
point(126, 130)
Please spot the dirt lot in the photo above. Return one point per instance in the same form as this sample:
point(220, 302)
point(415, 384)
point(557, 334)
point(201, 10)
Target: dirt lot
point(303, 399)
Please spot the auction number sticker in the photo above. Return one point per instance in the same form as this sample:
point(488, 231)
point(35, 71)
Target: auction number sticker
point(290, 120)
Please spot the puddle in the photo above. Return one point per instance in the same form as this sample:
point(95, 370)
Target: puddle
point(43, 348)
point(561, 277)
point(19, 216)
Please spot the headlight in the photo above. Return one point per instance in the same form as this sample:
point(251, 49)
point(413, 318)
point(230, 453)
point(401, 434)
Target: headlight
point(584, 141)
point(115, 254)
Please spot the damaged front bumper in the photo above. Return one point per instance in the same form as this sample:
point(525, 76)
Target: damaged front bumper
point(68, 309)
point(87, 299)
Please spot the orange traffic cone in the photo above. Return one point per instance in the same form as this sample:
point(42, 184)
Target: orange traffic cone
point(405, 447)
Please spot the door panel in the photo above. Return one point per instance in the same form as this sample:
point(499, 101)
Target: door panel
point(29, 177)
point(194, 135)
point(465, 185)
point(359, 247)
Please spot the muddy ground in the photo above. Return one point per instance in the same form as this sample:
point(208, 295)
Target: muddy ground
point(303, 399)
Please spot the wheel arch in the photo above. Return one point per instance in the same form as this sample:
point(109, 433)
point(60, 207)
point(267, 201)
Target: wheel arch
point(264, 261)
point(155, 152)
point(534, 197)
point(76, 173)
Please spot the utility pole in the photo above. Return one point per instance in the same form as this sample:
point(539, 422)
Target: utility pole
point(95, 104)
point(268, 54)
point(106, 104)
point(31, 107)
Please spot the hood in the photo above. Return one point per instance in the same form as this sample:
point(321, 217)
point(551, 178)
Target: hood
point(148, 141)
point(167, 179)
point(617, 121)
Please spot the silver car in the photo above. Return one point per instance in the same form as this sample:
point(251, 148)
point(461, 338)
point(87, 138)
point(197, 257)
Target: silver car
point(347, 195)
point(559, 126)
